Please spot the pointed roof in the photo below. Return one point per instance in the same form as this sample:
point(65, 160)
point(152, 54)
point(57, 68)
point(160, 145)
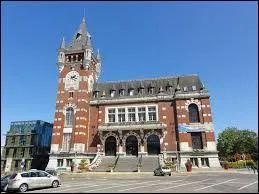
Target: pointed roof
point(81, 38)
point(63, 44)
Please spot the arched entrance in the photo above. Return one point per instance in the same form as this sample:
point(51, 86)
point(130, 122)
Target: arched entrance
point(132, 146)
point(110, 146)
point(153, 145)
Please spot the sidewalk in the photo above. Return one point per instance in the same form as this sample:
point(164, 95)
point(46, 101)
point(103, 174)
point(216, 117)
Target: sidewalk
point(194, 171)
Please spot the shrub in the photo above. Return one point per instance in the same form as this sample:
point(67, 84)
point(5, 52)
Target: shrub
point(83, 165)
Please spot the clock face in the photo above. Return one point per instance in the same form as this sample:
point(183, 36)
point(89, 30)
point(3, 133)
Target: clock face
point(72, 80)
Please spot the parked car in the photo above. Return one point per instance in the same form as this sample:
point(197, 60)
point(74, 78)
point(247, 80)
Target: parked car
point(32, 179)
point(162, 171)
point(4, 182)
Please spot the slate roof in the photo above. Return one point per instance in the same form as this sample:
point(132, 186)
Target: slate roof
point(81, 39)
point(160, 86)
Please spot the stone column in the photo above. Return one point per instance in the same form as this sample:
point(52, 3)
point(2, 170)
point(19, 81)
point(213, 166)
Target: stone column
point(199, 163)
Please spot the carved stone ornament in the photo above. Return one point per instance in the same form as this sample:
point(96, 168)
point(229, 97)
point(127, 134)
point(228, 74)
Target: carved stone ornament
point(192, 101)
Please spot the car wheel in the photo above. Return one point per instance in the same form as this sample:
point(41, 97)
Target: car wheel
point(170, 174)
point(23, 188)
point(55, 184)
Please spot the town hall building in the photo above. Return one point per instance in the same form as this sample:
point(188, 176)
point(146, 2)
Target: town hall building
point(142, 121)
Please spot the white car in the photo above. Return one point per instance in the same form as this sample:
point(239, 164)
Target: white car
point(162, 171)
point(32, 179)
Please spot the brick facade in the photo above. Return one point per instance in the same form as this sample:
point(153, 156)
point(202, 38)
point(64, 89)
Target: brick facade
point(170, 99)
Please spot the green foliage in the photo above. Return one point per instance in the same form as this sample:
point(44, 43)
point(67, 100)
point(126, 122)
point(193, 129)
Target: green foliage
point(232, 141)
point(242, 164)
point(83, 165)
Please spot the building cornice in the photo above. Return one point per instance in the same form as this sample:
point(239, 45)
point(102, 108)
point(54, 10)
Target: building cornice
point(131, 126)
point(158, 98)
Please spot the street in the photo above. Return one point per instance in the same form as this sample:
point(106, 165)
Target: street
point(187, 183)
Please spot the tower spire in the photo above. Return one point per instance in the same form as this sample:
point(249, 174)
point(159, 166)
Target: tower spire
point(63, 44)
point(98, 55)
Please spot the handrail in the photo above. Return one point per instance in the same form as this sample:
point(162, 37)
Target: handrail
point(116, 161)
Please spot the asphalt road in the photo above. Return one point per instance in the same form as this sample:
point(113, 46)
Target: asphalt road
point(193, 183)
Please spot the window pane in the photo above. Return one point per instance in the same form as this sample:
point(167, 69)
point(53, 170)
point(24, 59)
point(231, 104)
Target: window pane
point(193, 113)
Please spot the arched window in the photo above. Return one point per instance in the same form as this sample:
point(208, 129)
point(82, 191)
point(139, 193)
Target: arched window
point(193, 113)
point(69, 116)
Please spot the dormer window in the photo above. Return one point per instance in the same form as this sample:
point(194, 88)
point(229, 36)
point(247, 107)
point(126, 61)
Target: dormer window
point(95, 94)
point(169, 88)
point(151, 90)
point(112, 93)
point(121, 92)
point(131, 92)
point(141, 91)
point(193, 88)
point(185, 89)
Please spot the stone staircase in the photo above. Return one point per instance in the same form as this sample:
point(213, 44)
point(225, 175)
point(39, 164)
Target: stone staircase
point(105, 163)
point(126, 164)
point(149, 163)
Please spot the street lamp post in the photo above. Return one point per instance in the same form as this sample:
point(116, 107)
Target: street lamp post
point(177, 159)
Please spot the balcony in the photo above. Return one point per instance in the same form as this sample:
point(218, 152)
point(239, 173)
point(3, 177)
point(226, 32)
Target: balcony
point(132, 126)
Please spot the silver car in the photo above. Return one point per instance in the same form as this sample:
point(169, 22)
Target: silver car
point(32, 179)
point(162, 171)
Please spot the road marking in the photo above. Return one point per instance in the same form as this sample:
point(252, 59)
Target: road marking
point(214, 185)
point(148, 185)
point(71, 187)
point(247, 185)
point(121, 186)
point(181, 185)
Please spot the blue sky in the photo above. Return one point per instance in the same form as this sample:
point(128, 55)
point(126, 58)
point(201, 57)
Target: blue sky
point(216, 40)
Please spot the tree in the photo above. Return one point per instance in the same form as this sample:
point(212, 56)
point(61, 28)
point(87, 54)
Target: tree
point(234, 141)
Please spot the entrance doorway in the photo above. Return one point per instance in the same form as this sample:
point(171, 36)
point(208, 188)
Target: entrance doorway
point(132, 146)
point(110, 146)
point(153, 145)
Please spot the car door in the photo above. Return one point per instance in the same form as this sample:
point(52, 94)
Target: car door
point(34, 180)
point(44, 179)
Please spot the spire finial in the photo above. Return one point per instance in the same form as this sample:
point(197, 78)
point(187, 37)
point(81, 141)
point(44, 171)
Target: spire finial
point(84, 16)
point(63, 44)
point(98, 54)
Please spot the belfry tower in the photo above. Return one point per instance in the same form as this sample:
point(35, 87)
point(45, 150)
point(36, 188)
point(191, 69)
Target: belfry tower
point(79, 67)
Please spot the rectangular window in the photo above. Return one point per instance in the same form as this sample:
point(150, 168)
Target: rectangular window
point(60, 162)
point(121, 114)
point(196, 140)
point(22, 140)
point(169, 88)
point(22, 152)
point(112, 93)
point(111, 115)
point(131, 114)
point(95, 94)
point(71, 94)
point(142, 114)
point(69, 162)
point(141, 91)
point(151, 90)
point(131, 92)
point(152, 113)
point(121, 92)
point(66, 142)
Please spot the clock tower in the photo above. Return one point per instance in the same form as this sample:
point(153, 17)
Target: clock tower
point(79, 67)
